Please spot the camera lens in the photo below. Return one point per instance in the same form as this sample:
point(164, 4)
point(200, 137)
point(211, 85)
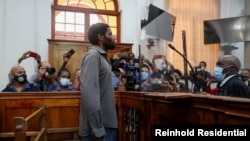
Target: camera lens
point(51, 70)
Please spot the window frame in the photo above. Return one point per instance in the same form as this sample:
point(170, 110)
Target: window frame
point(87, 12)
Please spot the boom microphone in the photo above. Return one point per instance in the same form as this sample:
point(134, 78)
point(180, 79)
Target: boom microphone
point(185, 58)
point(171, 46)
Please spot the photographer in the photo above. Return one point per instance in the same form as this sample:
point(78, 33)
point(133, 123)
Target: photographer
point(202, 76)
point(45, 78)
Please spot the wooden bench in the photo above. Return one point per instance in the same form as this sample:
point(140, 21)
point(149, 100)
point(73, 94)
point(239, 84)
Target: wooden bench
point(62, 114)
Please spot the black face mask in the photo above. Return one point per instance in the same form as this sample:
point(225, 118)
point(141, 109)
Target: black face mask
point(21, 78)
point(243, 78)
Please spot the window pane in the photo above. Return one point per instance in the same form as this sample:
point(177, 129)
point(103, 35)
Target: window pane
point(60, 27)
point(94, 19)
point(80, 28)
point(70, 17)
point(112, 20)
point(80, 17)
point(110, 5)
point(60, 16)
point(100, 4)
point(69, 28)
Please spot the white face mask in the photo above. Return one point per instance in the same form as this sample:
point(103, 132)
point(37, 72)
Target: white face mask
point(202, 68)
point(163, 66)
point(64, 81)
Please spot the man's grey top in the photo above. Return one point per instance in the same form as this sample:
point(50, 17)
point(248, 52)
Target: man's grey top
point(97, 109)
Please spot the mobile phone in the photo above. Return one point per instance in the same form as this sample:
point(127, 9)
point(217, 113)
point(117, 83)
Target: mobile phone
point(33, 54)
point(70, 53)
point(158, 56)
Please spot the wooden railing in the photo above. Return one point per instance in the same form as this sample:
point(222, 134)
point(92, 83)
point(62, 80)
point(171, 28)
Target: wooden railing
point(137, 112)
point(22, 125)
point(62, 114)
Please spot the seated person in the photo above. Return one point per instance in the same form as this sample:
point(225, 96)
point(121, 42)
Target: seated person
point(202, 77)
point(45, 78)
point(245, 76)
point(144, 83)
point(19, 81)
point(64, 79)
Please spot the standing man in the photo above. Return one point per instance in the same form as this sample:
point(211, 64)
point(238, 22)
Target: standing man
point(226, 73)
point(98, 118)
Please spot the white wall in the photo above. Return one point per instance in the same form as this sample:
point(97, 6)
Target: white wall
point(131, 32)
point(25, 25)
point(234, 8)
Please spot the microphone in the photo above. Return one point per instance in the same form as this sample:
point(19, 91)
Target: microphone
point(171, 46)
point(185, 58)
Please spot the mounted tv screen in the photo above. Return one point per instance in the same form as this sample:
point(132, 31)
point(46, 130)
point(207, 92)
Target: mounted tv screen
point(227, 30)
point(160, 23)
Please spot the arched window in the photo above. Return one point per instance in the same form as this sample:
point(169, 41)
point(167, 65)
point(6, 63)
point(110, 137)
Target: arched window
point(72, 18)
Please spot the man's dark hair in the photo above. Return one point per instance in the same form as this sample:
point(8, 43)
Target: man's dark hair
point(145, 66)
point(95, 30)
point(178, 72)
point(203, 62)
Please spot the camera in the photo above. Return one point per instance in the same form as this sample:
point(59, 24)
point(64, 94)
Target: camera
point(131, 74)
point(50, 70)
point(70, 53)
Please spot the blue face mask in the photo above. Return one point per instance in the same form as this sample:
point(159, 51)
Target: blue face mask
point(218, 73)
point(144, 75)
point(64, 81)
point(163, 66)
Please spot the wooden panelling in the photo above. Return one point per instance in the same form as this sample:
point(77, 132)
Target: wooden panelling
point(136, 111)
point(59, 47)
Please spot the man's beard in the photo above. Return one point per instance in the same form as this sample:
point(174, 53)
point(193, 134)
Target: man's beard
point(109, 44)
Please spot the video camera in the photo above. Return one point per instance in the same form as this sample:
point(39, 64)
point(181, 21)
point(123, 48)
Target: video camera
point(131, 74)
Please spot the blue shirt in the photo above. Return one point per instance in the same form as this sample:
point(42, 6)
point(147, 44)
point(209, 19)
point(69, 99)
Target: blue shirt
point(27, 88)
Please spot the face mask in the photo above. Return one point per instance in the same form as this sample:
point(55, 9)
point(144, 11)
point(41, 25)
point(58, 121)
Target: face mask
point(163, 66)
point(218, 73)
point(244, 78)
point(144, 75)
point(21, 78)
point(202, 68)
point(64, 81)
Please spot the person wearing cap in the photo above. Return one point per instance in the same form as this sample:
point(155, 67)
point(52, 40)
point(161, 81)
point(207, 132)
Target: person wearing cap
point(226, 73)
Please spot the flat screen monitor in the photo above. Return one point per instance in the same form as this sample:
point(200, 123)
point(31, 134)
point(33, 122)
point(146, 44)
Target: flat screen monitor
point(227, 30)
point(160, 23)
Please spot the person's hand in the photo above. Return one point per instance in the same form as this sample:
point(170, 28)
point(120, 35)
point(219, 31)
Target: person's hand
point(24, 56)
point(41, 73)
point(65, 58)
point(38, 59)
point(96, 138)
